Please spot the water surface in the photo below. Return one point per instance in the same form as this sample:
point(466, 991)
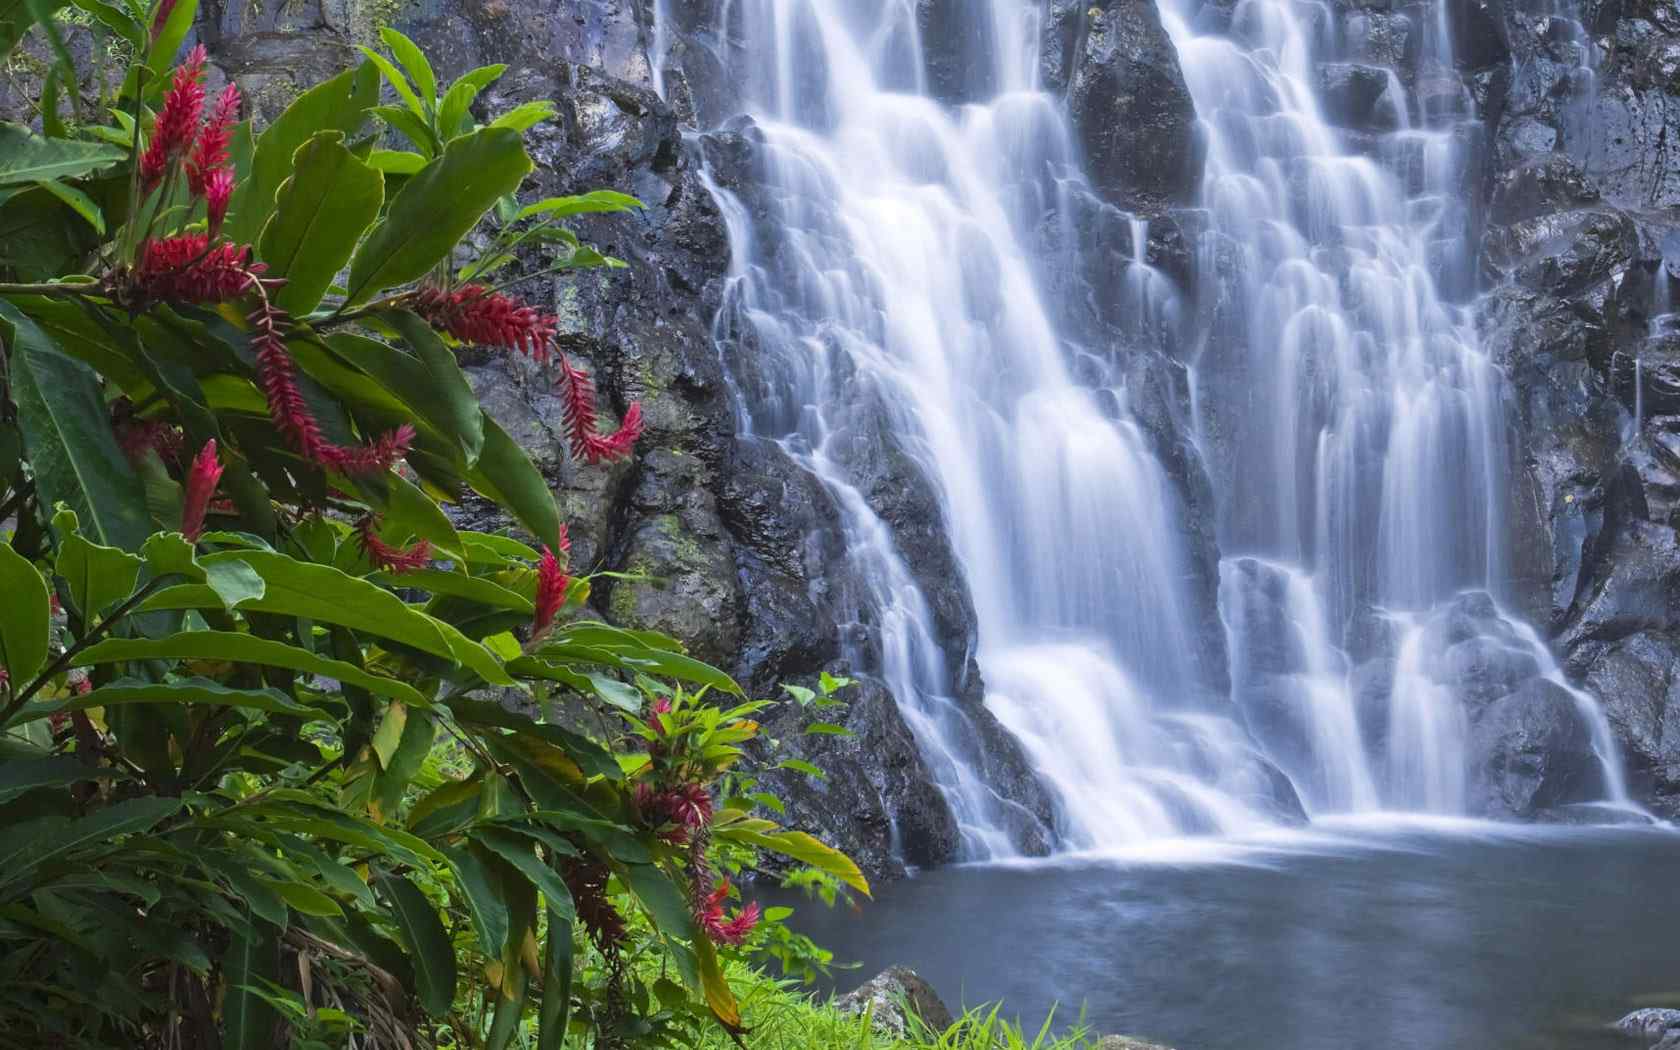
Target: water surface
point(1407, 935)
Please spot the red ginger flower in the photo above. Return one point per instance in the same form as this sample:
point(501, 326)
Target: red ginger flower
point(210, 152)
point(187, 269)
point(382, 555)
point(177, 121)
point(202, 478)
point(290, 413)
point(709, 917)
point(218, 190)
point(474, 314)
point(687, 808)
point(578, 413)
point(552, 585)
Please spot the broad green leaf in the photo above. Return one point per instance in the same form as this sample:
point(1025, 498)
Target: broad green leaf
point(125, 691)
point(506, 475)
point(259, 895)
point(448, 808)
point(67, 431)
point(305, 899)
point(395, 162)
point(460, 585)
point(413, 128)
point(438, 386)
point(99, 577)
point(390, 733)
point(169, 554)
point(78, 201)
point(234, 647)
point(304, 814)
point(161, 57)
point(25, 617)
point(583, 203)
point(557, 982)
point(397, 80)
point(427, 941)
point(320, 212)
point(458, 100)
point(339, 104)
point(247, 1020)
point(662, 899)
point(525, 116)
point(413, 62)
point(797, 845)
point(405, 506)
point(35, 842)
point(477, 884)
point(436, 208)
point(19, 775)
point(518, 851)
point(716, 988)
point(323, 594)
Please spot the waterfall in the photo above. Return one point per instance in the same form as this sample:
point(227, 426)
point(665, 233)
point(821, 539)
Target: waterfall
point(889, 314)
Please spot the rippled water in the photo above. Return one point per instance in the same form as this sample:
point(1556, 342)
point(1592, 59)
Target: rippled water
point(1412, 935)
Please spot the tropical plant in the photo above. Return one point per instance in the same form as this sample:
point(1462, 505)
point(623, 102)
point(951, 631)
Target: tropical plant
point(286, 757)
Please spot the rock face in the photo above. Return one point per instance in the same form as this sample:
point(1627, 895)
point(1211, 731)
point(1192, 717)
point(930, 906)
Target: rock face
point(888, 995)
point(1575, 253)
point(1128, 101)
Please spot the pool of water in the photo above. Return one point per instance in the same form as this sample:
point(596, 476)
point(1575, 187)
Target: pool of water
point(1394, 934)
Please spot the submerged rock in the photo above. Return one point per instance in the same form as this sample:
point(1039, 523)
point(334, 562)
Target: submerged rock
point(1652, 1023)
point(1126, 1042)
point(1531, 752)
point(890, 997)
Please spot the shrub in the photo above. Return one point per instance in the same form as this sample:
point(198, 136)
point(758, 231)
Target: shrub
point(285, 756)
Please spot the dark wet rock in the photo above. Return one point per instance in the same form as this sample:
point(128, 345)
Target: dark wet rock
point(1638, 679)
point(876, 802)
point(1379, 38)
point(1531, 751)
point(1547, 184)
point(1479, 32)
point(1563, 253)
point(958, 51)
point(1130, 107)
point(886, 997)
point(1353, 95)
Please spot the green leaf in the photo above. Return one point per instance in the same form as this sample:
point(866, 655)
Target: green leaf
point(799, 846)
point(662, 899)
point(117, 20)
point(518, 851)
point(320, 213)
point(557, 982)
point(438, 388)
point(78, 201)
point(339, 104)
point(67, 431)
point(125, 691)
point(427, 941)
point(413, 128)
point(168, 42)
point(477, 884)
point(28, 845)
point(247, 1021)
point(525, 116)
point(506, 475)
point(395, 162)
point(436, 208)
point(413, 62)
point(460, 585)
point(715, 986)
point(458, 100)
point(234, 647)
point(390, 733)
point(305, 899)
point(595, 201)
point(19, 775)
point(98, 577)
point(396, 79)
point(25, 617)
point(448, 809)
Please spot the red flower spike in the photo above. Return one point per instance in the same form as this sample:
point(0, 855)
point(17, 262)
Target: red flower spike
point(552, 585)
point(587, 443)
point(709, 917)
point(382, 555)
point(177, 121)
point(218, 190)
point(474, 314)
point(210, 152)
point(587, 881)
point(202, 478)
point(186, 269)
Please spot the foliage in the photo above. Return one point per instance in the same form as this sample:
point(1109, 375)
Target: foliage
point(287, 758)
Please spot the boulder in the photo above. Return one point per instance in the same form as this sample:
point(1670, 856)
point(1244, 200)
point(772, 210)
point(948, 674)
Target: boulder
point(1132, 110)
point(1124, 1042)
point(1531, 752)
point(891, 997)
point(1650, 1023)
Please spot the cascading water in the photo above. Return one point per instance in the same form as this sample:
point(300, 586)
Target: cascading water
point(884, 282)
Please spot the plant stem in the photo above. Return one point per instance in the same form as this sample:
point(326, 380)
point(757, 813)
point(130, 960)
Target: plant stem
point(77, 290)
